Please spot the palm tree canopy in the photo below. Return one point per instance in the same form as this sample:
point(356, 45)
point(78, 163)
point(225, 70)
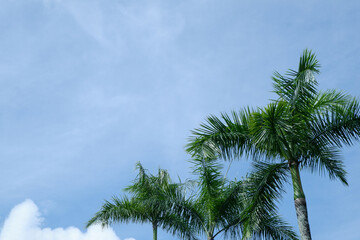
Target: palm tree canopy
point(303, 125)
point(243, 209)
point(238, 209)
point(303, 128)
point(146, 205)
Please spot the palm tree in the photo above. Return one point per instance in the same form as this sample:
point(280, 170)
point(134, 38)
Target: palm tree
point(304, 128)
point(239, 209)
point(244, 208)
point(145, 205)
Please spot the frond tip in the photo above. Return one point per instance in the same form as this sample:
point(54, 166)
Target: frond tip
point(308, 61)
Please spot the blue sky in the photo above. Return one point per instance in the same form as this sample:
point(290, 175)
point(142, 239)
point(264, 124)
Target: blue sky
point(87, 88)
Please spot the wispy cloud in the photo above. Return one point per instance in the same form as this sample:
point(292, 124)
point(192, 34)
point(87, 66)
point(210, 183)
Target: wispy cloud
point(24, 223)
point(124, 24)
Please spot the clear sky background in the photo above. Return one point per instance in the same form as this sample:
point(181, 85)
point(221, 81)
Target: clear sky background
point(87, 88)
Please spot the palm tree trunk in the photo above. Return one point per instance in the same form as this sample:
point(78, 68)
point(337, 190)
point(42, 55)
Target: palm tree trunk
point(300, 202)
point(154, 225)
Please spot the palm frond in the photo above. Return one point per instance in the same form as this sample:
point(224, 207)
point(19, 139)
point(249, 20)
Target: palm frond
point(120, 210)
point(264, 188)
point(141, 182)
point(256, 199)
point(328, 100)
point(298, 87)
point(226, 137)
point(340, 125)
point(325, 159)
point(176, 224)
point(210, 178)
point(273, 227)
point(308, 62)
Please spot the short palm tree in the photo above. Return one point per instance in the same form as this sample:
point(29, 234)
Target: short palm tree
point(145, 205)
point(239, 209)
point(304, 128)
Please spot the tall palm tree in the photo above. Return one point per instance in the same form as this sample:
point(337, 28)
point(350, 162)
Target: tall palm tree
point(239, 209)
point(145, 206)
point(304, 128)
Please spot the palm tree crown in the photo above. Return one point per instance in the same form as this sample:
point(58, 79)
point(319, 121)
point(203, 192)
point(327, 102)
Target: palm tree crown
point(146, 205)
point(303, 128)
point(238, 209)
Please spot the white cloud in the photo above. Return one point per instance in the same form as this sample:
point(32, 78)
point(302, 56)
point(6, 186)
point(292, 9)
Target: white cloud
point(24, 223)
